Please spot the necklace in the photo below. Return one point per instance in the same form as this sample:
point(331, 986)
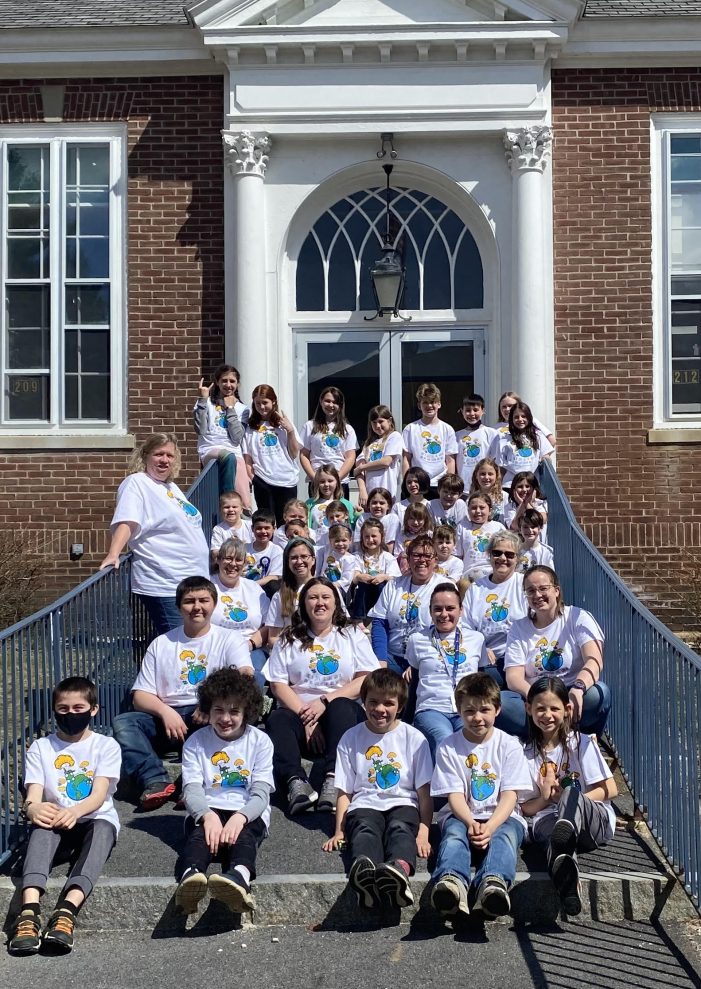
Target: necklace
point(451, 669)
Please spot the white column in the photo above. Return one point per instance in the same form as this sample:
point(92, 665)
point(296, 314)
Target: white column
point(527, 153)
point(246, 155)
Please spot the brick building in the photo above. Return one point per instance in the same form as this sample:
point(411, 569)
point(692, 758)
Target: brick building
point(185, 185)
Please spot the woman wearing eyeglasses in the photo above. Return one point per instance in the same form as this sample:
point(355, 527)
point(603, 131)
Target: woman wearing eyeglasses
point(554, 639)
point(492, 603)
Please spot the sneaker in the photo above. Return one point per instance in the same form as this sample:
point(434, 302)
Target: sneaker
point(492, 898)
point(232, 890)
point(59, 931)
point(26, 937)
point(156, 794)
point(300, 796)
point(449, 896)
point(563, 839)
point(327, 796)
point(191, 889)
point(565, 876)
point(361, 878)
point(393, 885)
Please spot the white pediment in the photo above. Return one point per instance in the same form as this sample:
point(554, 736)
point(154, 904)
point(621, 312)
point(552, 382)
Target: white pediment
point(231, 14)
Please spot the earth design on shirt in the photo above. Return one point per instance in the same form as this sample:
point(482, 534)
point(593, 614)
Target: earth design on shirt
point(189, 509)
point(549, 658)
point(236, 776)
point(254, 571)
point(333, 569)
point(332, 440)
point(221, 416)
point(498, 610)
point(564, 775)
point(470, 447)
point(375, 452)
point(479, 541)
point(266, 436)
point(370, 566)
point(525, 452)
point(194, 667)
point(410, 610)
point(385, 771)
point(75, 783)
point(482, 781)
point(431, 442)
point(234, 610)
point(324, 662)
point(447, 650)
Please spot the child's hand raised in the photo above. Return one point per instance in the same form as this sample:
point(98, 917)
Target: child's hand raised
point(205, 390)
point(335, 843)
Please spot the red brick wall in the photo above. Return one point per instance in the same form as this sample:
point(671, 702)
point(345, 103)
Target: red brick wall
point(638, 502)
point(175, 307)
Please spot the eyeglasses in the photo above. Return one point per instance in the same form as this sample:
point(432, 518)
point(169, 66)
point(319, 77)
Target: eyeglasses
point(531, 592)
point(504, 552)
point(422, 556)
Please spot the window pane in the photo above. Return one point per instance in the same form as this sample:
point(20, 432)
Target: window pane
point(94, 165)
point(71, 397)
point(685, 143)
point(28, 305)
point(25, 218)
point(95, 397)
point(94, 350)
point(25, 167)
point(87, 304)
point(94, 258)
point(686, 357)
point(27, 310)
point(686, 249)
point(686, 168)
point(25, 256)
point(450, 364)
point(70, 352)
point(27, 397)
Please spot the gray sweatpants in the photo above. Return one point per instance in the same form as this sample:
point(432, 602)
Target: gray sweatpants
point(591, 822)
point(92, 840)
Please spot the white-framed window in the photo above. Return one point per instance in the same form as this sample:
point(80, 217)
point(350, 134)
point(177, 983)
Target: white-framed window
point(676, 201)
point(62, 263)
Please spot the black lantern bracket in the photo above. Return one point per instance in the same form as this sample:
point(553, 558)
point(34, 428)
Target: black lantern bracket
point(388, 274)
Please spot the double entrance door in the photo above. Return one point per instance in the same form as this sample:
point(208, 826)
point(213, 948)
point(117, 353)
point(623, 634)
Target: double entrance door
point(387, 366)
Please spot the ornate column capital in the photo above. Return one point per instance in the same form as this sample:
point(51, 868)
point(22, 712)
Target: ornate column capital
point(528, 148)
point(246, 153)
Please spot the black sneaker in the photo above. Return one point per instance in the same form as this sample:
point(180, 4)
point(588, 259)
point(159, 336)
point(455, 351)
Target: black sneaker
point(563, 839)
point(492, 898)
point(156, 794)
point(59, 931)
point(565, 876)
point(231, 889)
point(361, 878)
point(191, 889)
point(300, 796)
point(393, 886)
point(449, 896)
point(26, 937)
point(327, 796)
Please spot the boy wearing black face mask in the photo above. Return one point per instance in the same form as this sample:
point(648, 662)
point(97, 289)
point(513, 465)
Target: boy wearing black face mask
point(70, 777)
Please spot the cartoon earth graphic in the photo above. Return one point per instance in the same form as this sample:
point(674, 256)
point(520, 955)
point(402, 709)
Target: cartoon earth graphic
point(332, 440)
point(387, 776)
point(376, 455)
point(499, 611)
point(433, 446)
point(270, 439)
point(78, 786)
point(326, 665)
point(196, 673)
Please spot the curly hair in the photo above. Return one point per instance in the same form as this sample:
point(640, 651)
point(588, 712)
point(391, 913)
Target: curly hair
point(299, 628)
point(137, 461)
point(231, 684)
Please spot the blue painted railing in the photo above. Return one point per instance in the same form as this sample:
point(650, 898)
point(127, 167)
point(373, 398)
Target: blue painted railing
point(655, 721)
point(99, 630)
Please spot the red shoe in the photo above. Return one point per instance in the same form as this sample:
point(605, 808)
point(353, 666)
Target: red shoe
point(156, 794)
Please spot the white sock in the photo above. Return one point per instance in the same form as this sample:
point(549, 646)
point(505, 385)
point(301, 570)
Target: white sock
point(244, 873)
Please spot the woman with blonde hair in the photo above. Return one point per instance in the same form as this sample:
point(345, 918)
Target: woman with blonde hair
point(161, 527)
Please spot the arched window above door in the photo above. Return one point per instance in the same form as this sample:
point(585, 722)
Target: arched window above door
point(443, 264)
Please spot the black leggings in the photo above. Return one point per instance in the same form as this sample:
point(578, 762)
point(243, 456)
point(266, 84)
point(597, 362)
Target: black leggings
point(384, 836)
point(289, 738)
point(243, 852)
point(271, 498)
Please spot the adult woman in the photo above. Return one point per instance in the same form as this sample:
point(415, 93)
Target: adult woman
point(243, 604)
point(438, 657)
point(298, 562)
point(315, 671)
point(219, 418)
point(493, 602)
point(403, 607)
point(162, 528)
point(554, 639)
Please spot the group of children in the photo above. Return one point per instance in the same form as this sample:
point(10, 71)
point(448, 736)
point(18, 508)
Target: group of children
point(196, 686)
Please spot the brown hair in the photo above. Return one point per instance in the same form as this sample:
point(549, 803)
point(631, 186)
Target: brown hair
point(479, 686)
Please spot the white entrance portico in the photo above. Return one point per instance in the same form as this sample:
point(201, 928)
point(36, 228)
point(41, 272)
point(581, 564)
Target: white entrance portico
point(464, 89)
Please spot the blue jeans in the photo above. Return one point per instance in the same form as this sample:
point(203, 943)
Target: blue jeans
point(595, 711)
point(455, 854)
point(226, 470)
point(162, 612)
point(141, 736)
point(435, 726)
point(258, 661)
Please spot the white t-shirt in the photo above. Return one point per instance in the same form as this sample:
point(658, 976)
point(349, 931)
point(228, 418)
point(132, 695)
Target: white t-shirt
point(226, 769)
point(382, 771)
point(452, 568)
point(555, 650)
point(337, 569)
point(384, 562)
point(510, 509)
point(281, 540)
point(538, 555)
point(438, 672)
point(326, 446)
point(174, 665)
point(515, 459)
point(243, 608)
point(447, 516)
point(471, 543)
point(404, 605)
point(390, 525)
point(490, 608)
point(329, 663)
point(275, 617)
point(66, 771)
point(268, 450)
point(481, 772)
point(388, 477)
point(428, 445)
point(262, 562)
point(473, 446)
point(582, 763)
point(216, 436)
point(168, 544)
point(224, 531)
